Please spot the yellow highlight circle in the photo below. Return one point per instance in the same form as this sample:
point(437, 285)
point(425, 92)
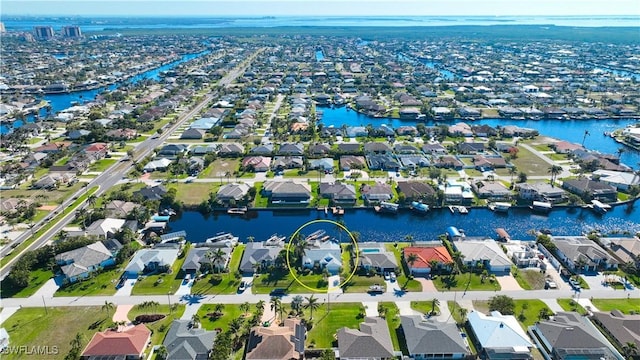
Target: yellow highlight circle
point(353, 240)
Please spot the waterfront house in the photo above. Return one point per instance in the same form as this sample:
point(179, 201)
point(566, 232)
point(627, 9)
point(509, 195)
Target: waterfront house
point(416, 190)
point(457, 192)
point(232, 193)
point(523, 254)
point(371, 342)
point(374, 255)
point(102, 228)
point(376, 192)
point(565, 147)
point(540, 191)
point(287, 192)
point(323, 254)
point(256, 163)
point(620, 180)
point(126, 344)
point(491, 190)
point(158, 259)
point(151, 192)
point(260, 255)
point(624, 249)
point(203, 255)
point(356, 131)
point(499, 336)
point(594, 190)
point(567, 335)
point(582, 254)
point(432, 339)
point(620, 328)
point(186, 342)
point(277, 342)
point(80, 263)
point(338, 192)
point(486, 252)
point(430, 257)
point(460, 129)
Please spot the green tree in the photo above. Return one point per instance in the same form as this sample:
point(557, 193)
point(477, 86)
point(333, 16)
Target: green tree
point(502, 303)
point(554, 170)
point(244, 307)
point(161, 353)
point(276, 306)
point(434, 303)
point(312, 304)
point(108, 306)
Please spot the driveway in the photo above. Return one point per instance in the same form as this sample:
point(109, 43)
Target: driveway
point(190, 310)
point(126, 288)
point(508, 283)
point(404, 308)
point(47, 290)
point(370, 308)
point(427, 285)
point(121, 313)
point(596, 281)
point(185, 288)
point(7, 312)
point(553, 305)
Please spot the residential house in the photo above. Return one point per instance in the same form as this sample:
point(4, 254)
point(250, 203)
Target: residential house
point(256, 163)
point(77, 134)
point(349, 148)
point(184, 342)
point(348, 162)
point(582, 254)
point(618, 179)
point(203, 150)
point(287, 192)
point(291, 149)
point(319, 149)
point(457, 192)
point(232, 192)
point(592, 189)
point(569, 335)
point(372, 341)
point(375, 256)
point(102, 228)
point(157, 165)
point(127, 344)
point(523, 254)
point(434, 149)
point(489, 162)
point(376, 192)
point(470, 148)
point(416, 190)
point(449, 162)
point(171, 150)
point(96, 151)
point(193, 133)
point(620, 328)
point(277, 342)
point(119, 209)
point(204, 123)
point(486, 253)
point(264, 149)
point(151, 192)
point(260, 255)
point(564, 147)
point(287, 162)
point(80, 263)
point(356, 131)
point(151, 260)
point(12, 205)
point(432, 339)
point(413, 161)
point(624, 249)
point(230, 150)
point(540, 191)
point(338, 192)
point(122, 134)
point(427, 256)
point(205, 255)
point(499, 336)
point(324, 164)
point(377, 148)
point(323, 253)
point(491, 190)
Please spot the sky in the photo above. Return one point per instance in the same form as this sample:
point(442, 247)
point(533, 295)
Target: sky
point(318, 7)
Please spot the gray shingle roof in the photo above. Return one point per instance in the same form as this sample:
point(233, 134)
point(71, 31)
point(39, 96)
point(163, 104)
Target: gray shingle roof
point(183, 343)
point(372, 341)
point(431, 336)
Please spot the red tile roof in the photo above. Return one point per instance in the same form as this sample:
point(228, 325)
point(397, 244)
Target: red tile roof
point(426, 254)
point(96, 147)
point(128, 342)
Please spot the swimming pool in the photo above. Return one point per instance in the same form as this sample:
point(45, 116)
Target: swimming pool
point(370, 250)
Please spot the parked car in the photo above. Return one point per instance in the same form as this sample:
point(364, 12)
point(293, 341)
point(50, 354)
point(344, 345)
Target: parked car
point(242, 287)
point(392, 275)
point(387, 276)
point(550, 284)
point(376, 289)
point(278, 292)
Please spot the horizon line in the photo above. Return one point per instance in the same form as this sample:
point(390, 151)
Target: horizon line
point(315, 15)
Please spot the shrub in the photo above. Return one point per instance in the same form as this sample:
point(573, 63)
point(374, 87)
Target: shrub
point(148, 318)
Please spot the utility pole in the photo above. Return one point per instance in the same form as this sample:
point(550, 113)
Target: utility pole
point(45, 306)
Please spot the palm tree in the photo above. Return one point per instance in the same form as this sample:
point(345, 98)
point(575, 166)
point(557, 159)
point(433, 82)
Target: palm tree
point(108, 306)
point(218, 309)
point(554, 170)
point(630, 349)
point(463, 314)
point(195, 319)
point(91, 200)
point(276, 306)
point(544, 313)
point(296, 303)
point(312, 304)
point(513, 171)
point(76, 342)
point(411, 259)
point(161, 353)
point(244, 307)
point(235, 325)
point(434, 303)
point(586, 133)
point(260, 307)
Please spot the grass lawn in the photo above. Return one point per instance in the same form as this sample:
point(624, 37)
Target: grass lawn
point(38, 278)
point(527, 317)
point(221, 283)
point(361, 283)
point(424, 307)
point(465, 282)
point(260, 201)
point(194, 193)
point(624, 305)
point(454, 309)
point(392, 316)
point(219, 167)
point(55, 327)
point(229, 313)
point(103, 283)
point(159, 328)
point(161, 284)
point(102, 165)
point(571, 305)
point(558, 157)
point(530, 164)
point(264, 283)
point(409, 285)
point(326, 324)
point(529, 279)
point(45, 197)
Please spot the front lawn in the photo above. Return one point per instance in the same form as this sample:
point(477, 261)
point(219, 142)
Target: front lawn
point(229, 312)
point(465, 282)
point(280, 278)
point(53, 327)
point(192, 194)
point(530, 164)
point(161, 284)
point(103, 283)
point(38, 278)
point(424, 307)
point(392, 315)
point(529, 279)
point(402, 280)
point(625, 305)
point(225, 283)
point(571, 305)
point(528, 314)
point(159, 328)
point(102, 165)
point(326, 324)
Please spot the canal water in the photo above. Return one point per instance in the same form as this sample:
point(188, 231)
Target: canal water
point(482, 222)
point(60, 102)
point(569, 130)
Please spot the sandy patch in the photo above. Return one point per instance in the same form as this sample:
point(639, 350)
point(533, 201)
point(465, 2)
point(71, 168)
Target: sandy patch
point(48, 207)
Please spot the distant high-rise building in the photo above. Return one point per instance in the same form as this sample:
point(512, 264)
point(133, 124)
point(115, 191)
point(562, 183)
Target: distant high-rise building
point(72, 32)
point(43, 32)
point(2, 29)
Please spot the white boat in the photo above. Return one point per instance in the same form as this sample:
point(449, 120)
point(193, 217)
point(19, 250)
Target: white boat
point(541, 206)
point(460, 209)
point(500, 206)
point(419, 207)
point(388, 207)
point(600, 206)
